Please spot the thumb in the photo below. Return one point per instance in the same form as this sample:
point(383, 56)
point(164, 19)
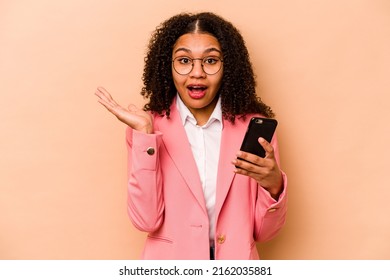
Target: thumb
point(132, 108)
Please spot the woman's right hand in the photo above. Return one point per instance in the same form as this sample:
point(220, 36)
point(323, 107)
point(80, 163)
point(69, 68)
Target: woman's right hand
point(134, 117)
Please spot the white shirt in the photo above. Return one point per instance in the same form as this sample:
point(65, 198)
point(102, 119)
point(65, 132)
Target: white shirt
point(205, 145)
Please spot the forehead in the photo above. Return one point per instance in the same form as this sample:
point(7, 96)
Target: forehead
point(196, 43)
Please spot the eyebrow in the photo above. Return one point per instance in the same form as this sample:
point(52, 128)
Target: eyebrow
point(209, 50)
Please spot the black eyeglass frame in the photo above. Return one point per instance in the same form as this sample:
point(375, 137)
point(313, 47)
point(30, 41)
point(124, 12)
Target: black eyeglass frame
point(192, 64)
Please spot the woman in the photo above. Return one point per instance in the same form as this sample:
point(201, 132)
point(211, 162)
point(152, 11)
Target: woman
point(187, 188)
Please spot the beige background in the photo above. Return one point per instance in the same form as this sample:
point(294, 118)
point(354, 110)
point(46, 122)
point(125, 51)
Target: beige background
point(322, 65)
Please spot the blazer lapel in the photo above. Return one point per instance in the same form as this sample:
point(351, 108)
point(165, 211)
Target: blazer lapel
point(176, 142)
point(232, 136)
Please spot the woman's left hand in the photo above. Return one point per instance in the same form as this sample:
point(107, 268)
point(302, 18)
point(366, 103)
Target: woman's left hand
point(264, 170)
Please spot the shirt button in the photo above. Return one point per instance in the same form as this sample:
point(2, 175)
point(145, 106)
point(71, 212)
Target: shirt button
point(271, 210)
point(221, 239)
point(150, 151)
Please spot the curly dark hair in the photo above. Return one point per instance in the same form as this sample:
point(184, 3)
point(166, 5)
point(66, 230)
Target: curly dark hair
point(237, 91)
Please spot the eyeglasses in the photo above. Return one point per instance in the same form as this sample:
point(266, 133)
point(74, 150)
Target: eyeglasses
point(183, 65)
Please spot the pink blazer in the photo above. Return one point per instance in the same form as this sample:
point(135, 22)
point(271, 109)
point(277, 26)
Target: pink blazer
point(165, 196)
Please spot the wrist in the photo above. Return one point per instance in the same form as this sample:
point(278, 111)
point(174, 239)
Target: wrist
point(277, 190)
point(148, 129)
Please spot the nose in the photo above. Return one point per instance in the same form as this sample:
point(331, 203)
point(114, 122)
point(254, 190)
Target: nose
point(197, 69)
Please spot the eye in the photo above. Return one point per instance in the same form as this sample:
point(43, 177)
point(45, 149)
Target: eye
point(211, 60)
point(184, 60)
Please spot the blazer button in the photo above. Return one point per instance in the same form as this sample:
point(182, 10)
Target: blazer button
point(150, 151)
point(221, 239)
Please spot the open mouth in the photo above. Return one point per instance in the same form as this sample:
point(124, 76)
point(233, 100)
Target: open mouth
point(197, 91)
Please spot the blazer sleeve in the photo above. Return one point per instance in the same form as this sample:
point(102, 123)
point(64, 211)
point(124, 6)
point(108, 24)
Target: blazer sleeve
point(270, 215)
point(145, 204)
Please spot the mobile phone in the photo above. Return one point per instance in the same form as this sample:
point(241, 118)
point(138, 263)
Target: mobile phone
point(258, 127)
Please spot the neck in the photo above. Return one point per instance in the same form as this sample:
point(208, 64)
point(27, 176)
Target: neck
point(203, 115)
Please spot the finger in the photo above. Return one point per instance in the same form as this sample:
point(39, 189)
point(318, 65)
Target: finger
point(103, 90)
point(246, 163)
point(102, 93)
point(253, 171)
point(106, 104)
point(269, 150)
point(135, 110)
point(110, 104)
point(248, 157)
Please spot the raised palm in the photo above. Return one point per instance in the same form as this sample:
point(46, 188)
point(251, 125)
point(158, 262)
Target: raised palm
point(134, 117)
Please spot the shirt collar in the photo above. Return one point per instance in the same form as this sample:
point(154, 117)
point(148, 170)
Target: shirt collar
point(186, 115)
